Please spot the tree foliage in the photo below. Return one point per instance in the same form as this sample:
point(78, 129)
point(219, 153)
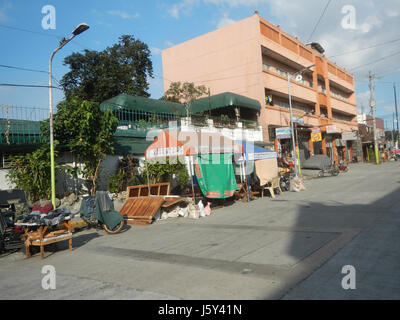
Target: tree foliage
point(31, 173)
point(87, 132)
point(127, 175)
point(161, 172)
point(185, 93)
point(98, 76)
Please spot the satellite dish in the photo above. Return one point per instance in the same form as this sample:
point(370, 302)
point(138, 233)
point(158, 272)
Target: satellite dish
point(299, 78)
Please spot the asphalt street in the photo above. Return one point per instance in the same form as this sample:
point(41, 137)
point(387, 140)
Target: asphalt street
point(290, 247)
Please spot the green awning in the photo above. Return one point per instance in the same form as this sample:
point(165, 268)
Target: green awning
point(224, 100)
point(124, 101)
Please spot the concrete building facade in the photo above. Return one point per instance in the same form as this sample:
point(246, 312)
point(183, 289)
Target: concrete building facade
point(253, 57)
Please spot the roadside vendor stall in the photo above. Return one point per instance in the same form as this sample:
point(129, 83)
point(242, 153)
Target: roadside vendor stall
point(262, 160)
point(208, 157)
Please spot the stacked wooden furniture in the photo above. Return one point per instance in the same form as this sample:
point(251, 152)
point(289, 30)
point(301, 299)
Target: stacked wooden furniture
point(144, 201)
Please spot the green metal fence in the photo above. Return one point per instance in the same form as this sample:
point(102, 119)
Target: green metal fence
point(21, 125)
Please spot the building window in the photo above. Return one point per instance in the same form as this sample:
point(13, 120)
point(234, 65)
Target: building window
point(266, 66)
point(5, 160)
point(281, 72)
point(340, 117)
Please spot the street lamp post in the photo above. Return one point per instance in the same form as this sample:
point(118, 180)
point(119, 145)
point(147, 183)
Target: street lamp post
point(294, 152)
point(78, 30)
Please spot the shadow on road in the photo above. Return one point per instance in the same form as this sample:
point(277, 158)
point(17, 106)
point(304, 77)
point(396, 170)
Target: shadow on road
point(376, 252)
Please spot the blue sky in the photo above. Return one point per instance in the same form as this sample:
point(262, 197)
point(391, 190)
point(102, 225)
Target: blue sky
point(161, 24)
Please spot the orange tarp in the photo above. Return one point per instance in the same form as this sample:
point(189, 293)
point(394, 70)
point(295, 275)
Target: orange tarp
point(184, 143)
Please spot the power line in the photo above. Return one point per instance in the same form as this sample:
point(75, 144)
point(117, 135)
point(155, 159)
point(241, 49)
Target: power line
point(26, 69)
point(23, 69)
point(59, 37)
point(27, 86)
point(319, 20)
point(375, 61)
point(362, 49)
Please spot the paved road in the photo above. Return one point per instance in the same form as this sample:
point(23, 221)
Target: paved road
point(292, 247)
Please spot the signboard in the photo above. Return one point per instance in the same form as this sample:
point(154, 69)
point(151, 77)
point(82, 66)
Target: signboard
point(315, 129)
point(347, 136)
point(298, 120)
point(331, 129)
point(283, 133)
point(316, 136)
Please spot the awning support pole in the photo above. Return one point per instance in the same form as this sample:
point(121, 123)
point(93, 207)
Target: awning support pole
point(148, 180)
point(247, 179)
point(192, 169)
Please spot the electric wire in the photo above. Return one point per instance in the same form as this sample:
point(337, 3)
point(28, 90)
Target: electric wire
point(319, 20)
point(30, 70)
point(27, 85)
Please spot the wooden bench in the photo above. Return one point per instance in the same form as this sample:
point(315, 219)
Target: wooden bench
point(42, 237)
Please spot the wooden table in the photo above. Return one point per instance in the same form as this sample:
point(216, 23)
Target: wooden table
point(42, 237)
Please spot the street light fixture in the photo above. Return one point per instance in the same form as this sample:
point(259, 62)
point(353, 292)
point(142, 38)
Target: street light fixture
point(78, 30)
point(298, 77)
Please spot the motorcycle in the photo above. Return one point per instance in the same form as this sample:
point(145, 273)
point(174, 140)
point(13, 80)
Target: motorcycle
point(99, 212)
point(333, 170)
point(343, 166)
point(286, 171)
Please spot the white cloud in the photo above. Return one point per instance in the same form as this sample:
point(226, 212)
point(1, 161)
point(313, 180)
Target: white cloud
point(124, 15)
point(369, 24)
point(185, 6)
point(363, 101)
point(225, 21)
point(169, 44)
point(3, 10)
point(155, 51)
point(236, 3)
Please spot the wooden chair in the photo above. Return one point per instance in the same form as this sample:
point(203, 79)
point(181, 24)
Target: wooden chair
point(274, 183)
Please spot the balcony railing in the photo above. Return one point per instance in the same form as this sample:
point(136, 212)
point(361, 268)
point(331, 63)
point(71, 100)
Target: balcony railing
point(284, 73)
point(222, 122)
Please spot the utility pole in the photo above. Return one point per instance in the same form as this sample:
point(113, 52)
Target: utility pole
point(392, 133)
point(372, 104)
point(397, 116)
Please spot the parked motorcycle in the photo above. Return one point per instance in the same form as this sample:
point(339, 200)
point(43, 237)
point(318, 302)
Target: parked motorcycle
point(99, 212)
point(343, 166)
point(286, 170)
point(333, 170)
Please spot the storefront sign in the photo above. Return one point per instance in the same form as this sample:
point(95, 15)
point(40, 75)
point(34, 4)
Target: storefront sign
point(315, 137)
point(298, 120)
point(315, 129)
point(283, 133)
point(349, 136)
point(331, 129)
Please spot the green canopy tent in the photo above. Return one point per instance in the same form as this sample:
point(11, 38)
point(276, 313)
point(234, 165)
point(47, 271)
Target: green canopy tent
point(213, 153)
point(225, 99)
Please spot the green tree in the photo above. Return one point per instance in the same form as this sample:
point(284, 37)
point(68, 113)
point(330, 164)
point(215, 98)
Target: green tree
point(161, 172)
point(98, 76)
point(31, 173)
point(185, 93)
point(87, 132)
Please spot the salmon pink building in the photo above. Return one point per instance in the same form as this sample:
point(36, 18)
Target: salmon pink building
point(253, 58)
